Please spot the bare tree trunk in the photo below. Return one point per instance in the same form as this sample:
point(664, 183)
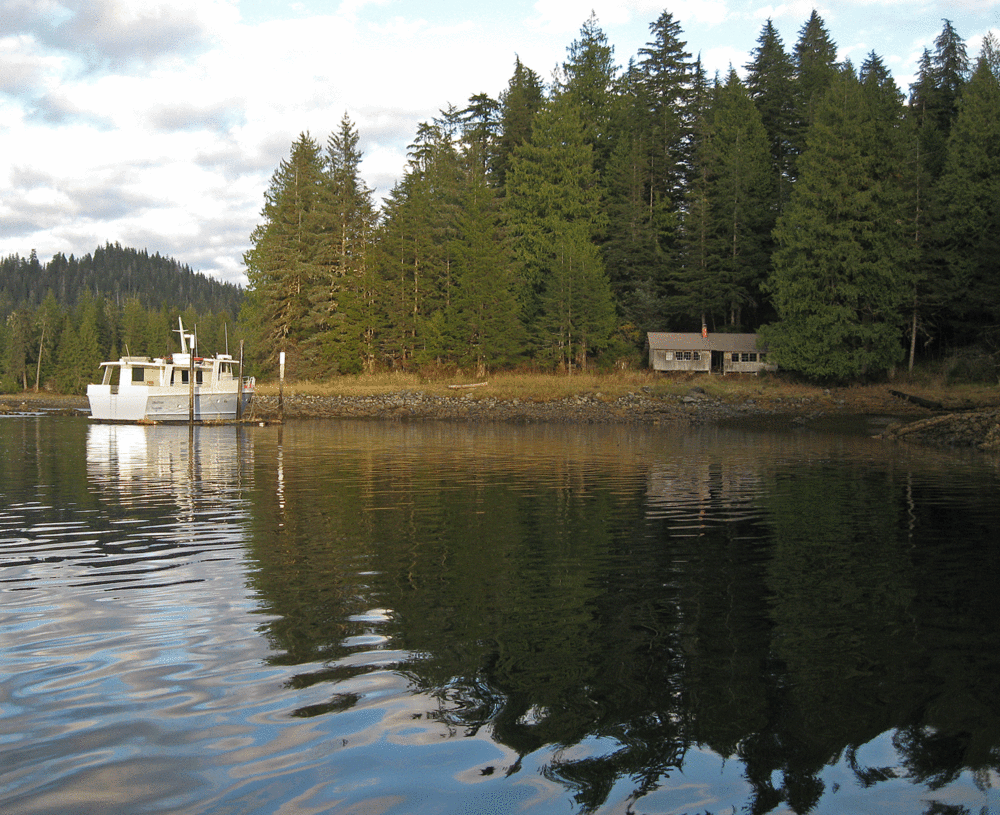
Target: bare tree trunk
point(38, 369)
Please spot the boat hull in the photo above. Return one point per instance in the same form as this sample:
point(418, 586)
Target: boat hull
point(161, 405)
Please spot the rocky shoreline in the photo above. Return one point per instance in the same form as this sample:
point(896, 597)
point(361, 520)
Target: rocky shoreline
point(884, 417)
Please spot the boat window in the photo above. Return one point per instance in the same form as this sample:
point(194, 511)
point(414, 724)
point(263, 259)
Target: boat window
point(138, 374)
point(180, 376)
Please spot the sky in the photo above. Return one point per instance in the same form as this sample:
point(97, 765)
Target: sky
point(157, 124)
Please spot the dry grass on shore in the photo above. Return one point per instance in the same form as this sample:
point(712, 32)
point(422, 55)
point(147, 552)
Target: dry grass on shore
point(544, 387)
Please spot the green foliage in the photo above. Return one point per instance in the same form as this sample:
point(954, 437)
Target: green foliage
point(553, 214)
point(840, 276)
point(730, 212)
point(60, 344)
point(554, 225)
point(967, 212)
point(286, 258)
point(770, 83)
point(118, 273)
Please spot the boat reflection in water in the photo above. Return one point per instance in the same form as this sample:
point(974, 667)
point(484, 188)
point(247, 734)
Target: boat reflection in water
point(179, 490)
point(186, 460)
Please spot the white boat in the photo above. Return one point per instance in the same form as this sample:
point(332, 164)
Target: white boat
point(171, 389)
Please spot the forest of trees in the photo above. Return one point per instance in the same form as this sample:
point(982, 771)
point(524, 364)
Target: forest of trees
point(61, 319)
point(854, 226)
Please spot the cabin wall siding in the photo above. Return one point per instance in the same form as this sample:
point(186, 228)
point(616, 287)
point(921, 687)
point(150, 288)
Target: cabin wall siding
point(676, 352)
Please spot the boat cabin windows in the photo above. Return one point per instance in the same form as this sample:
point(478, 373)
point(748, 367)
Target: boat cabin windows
point(181, 376)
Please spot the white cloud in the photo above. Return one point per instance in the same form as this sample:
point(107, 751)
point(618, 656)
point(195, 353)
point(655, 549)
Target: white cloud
point(158, 123)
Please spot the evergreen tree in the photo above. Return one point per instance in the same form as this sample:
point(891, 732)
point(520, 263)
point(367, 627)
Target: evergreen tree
point(49, 320)
point(815, 61)
point(935, 95)
point(666, 80)
point(288, 250)
point(417, 241)
point(633, 255)
point(79, 352)
point(342, 297)
point(647, 175)
point(587, 80)
point(967, 222)
point(990, 53)
point(553, 214)
point(770, 78)
point(730, 210)
point(135, 321)
point(518, 105)
point(480, 131)
point(839, 282)
point(17, 350)
point(481, 321)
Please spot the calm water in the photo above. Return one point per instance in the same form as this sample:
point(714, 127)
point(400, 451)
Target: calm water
point(338, 617)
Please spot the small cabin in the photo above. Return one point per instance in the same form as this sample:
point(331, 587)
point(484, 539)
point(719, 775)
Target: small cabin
point(721, 353)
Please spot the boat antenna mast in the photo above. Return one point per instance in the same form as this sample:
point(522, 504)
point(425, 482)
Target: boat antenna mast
point(188, 341)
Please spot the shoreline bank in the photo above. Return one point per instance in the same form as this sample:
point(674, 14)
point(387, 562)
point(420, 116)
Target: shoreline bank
point(869, 411)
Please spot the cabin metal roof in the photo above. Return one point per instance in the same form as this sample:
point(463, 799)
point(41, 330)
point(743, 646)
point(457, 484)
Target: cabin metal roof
point(732, 343)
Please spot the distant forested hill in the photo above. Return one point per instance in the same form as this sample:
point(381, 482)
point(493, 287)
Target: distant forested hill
point(117, 273)
point(60, 319)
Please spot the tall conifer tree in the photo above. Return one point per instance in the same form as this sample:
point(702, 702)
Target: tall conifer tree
point(288, 248)
point(815, 60)
point(967, 213)
point(343, 320)
point(587, 80)
point(519, 103)
point(840, 274)
point(553, 214)
point(729, 211)
point(770, 77)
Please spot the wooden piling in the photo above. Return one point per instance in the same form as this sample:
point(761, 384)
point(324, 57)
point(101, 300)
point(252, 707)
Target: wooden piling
point(239, 390)
point(191, 386)
point(281, 386)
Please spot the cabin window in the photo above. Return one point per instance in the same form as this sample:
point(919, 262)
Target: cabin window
point(753, 357)
point(138, 375)
point(181, 376)
point(745, 358)
point(736, 358)
point(697, 355)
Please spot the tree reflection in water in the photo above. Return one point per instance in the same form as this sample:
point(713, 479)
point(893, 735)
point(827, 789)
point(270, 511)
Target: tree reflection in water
point(623, 604)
